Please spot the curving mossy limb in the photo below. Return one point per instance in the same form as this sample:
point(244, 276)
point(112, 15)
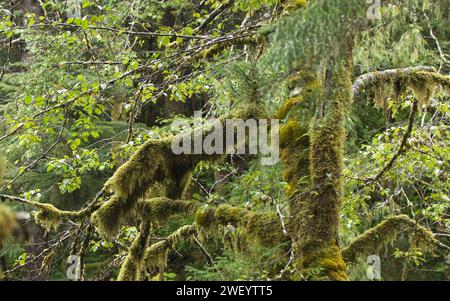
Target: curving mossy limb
point(422, 81)
point(153, 170)
point(374, 239)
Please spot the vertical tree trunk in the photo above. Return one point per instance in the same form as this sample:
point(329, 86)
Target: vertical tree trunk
point(317, 215)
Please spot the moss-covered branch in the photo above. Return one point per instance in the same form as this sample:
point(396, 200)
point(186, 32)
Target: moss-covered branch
point(159, 210)
point(133, 264)
point(263, 227)
point(154, 171)
point(371, 79)
point(373, 240)
point(392, 83)
point(156, 255)
point(47, 215)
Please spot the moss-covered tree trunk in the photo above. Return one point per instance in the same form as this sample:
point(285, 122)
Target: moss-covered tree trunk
point(317, 214)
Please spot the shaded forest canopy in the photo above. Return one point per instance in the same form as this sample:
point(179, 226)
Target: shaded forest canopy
point(89, 95)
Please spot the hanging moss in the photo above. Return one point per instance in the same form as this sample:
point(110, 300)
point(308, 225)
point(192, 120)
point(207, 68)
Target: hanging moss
point(49, 217)
point(385, 91)
point(133, 264)
point(7, 222)
point(158, 210)
point(108, 220)
point(154, 171)
point(394, 83)
point(373, 240)
point(261, 227)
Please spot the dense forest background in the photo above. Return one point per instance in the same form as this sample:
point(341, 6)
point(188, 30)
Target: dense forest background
point(90, 189)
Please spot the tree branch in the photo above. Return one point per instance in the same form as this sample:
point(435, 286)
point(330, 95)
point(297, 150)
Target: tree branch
point(402, 146)
point(371, 241)
point(374, 78)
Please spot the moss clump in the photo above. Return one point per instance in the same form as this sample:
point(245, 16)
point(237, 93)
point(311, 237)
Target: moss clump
point(262, 227)
point(287, 107)
point(158, 210)
point(294, 144)
point(107, 221)
point(329, 260)
point(50, 217)
point(296, 4)
point(133, 264)
point(7, 222)
point(373, 240)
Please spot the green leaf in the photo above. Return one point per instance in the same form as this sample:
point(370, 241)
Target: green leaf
point(28, 100)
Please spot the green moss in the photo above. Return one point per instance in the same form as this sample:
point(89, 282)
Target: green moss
point(156, 255)
point(153, 171)
point(373, 240)
point(287, 107)
point(133, 264)
point(263, 228)
point(7, 222)
point(50, 217)
point(296, 4)
point(328, 259)
point(158, 210)
point(108, 220)
point(422, 83)
point(294, 144)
